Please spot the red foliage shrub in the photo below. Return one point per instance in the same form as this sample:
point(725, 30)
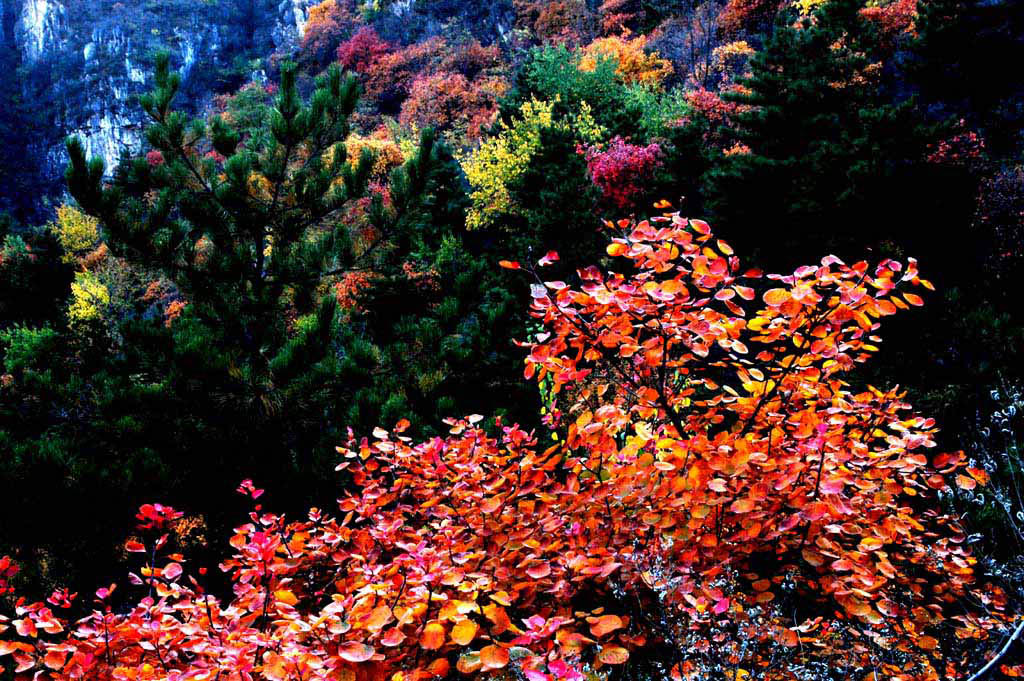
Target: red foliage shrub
point(448, 101)
point(349, 291)
point(963, 148)
point(748, 15)
point(893, 20)
point(8, 569)
point(618, 16)
point(719, 114)
point(718, 498)
point(389, 79)
point(621, 170)
point(362, 50)
point(561, 21)
point(327, 24)
point(711, 105)
point(174, 311)
point(471, 59)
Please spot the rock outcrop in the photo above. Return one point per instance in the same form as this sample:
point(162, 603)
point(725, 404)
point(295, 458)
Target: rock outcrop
point(92, 58)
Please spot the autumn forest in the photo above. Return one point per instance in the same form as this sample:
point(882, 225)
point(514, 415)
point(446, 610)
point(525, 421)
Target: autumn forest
point(580, 340)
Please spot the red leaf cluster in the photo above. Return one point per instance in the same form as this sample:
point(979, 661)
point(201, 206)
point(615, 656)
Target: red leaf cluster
point(748, 15)
point(567, 22)
point(156, 516)
point(446, 101)
point(621, 170)
point(327, 24)
point(895, 19)
point(8, 568)
point(717, 498)
point(359, 52)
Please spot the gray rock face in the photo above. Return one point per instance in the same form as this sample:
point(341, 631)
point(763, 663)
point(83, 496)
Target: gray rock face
point(93, 58)
point(41, 27)
point(291, 22)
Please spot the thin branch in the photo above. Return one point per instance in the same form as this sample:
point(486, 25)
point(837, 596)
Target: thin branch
point(1005, 649)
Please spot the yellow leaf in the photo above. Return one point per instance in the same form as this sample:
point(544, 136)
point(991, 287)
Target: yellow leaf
point(286, 596)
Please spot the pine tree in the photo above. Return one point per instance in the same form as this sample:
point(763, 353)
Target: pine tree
point(249, 227)
point(827, 141)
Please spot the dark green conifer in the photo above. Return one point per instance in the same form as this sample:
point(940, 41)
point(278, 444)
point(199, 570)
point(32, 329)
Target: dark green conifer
point(828, 144)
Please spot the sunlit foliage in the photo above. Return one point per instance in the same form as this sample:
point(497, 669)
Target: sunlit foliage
point(501, 159)
point(716, 499)
point(633, 63)
point(77, 232)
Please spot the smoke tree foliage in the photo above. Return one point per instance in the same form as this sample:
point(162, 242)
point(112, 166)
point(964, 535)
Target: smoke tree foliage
point(622, 170)
point(714, 501)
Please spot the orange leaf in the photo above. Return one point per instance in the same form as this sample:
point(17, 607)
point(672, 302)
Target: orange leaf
point(672, 286)
point(464, 632)
point(964, 482)
point(509, 265)
point(379, 616)
point(392, 637)
point(700, 226)
point(605, 625)
point(274, 666)
point(284, 596)
point(776, 297)
point(742, 506)
point(613, 655)
point(616, 248)
point(979, 474)
point(438, 669)
point(490, 504)
point(54, 659)
point(433, 636)
point(871, 544)
point(498, 617)
point(493, 657)
point(468, 663)
point(539, 570)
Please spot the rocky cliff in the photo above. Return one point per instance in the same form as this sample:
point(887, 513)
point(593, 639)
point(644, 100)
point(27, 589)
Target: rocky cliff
point(78, 64)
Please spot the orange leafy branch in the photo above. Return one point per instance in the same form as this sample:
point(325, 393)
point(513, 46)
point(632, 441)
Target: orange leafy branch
point(722, 505)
